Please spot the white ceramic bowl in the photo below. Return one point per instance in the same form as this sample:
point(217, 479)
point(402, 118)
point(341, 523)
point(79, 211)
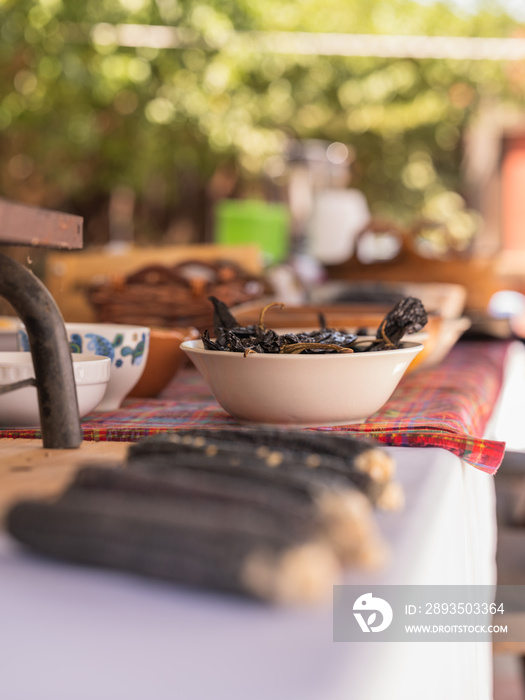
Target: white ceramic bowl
point(20, 408)
point(126, 346)
point(302, 390)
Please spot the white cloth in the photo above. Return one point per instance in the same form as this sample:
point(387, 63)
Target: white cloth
point(71, 633)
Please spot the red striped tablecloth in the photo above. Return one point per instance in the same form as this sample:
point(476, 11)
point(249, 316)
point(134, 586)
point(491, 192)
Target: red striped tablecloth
point(447, 406)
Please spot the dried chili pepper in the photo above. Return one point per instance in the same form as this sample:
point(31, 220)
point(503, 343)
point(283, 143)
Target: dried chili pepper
point(408, 316)
point(231, 337)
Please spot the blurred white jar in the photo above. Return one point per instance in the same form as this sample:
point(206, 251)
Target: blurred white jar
point(338, 215)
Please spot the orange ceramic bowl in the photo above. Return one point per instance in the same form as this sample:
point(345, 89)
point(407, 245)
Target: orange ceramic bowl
point(164, 360)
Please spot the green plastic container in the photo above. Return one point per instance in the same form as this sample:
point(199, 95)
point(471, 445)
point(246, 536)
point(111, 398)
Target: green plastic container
point(242, 221)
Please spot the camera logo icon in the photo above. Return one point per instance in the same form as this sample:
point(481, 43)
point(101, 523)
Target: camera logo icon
point(366, 603)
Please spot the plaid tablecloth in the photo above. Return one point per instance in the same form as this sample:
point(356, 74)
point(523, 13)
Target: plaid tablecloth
point(447, 407)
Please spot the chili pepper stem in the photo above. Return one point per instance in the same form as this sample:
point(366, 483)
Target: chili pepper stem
point(387, 340)
point(264, 310)
point(296, 348)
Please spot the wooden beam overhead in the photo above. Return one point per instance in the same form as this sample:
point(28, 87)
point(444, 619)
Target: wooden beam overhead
point(24, 225)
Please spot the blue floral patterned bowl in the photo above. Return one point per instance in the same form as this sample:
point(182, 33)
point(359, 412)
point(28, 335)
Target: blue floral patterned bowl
point(126, 346)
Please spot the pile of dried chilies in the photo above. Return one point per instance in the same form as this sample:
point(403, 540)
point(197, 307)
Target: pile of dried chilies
point(407, 316)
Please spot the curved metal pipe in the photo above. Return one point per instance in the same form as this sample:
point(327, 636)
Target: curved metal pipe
point(55, 381)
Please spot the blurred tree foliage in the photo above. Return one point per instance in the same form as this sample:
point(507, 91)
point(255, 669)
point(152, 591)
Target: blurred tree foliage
point(81, 116)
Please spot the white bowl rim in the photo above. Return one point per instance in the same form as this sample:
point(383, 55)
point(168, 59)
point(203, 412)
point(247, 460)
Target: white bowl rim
point(86, 326)
point(19, 357)
point(195, 346)
point(109, 327)
point(419, 337)
point(88, 369)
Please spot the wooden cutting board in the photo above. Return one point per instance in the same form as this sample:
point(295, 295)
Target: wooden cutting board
point(27, 470)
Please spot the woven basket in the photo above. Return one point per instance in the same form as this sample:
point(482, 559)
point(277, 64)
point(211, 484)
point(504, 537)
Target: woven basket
point(172, 296)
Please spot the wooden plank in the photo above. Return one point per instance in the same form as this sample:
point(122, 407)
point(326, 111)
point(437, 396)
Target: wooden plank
point(68, 274)
point(24, 225)
point(27, 470)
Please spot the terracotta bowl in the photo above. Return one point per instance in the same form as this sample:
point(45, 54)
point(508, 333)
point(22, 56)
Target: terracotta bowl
point(441, 342)
point(429, 338)
point(164, 360)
